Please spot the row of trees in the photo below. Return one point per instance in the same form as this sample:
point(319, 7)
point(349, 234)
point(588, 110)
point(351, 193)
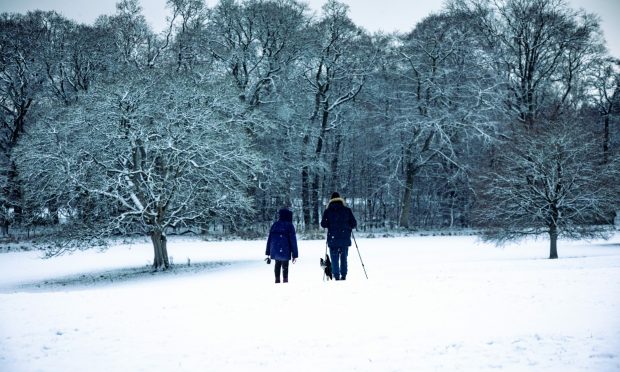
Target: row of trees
point(497, 115)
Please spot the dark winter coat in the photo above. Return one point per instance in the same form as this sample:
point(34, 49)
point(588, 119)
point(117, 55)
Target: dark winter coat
point(339, 222)
point(282, 241)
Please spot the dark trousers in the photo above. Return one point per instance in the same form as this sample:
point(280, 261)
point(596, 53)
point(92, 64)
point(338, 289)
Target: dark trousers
point(339, 262)
point(284, 266)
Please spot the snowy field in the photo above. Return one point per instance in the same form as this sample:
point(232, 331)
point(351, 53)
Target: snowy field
point(430, 304)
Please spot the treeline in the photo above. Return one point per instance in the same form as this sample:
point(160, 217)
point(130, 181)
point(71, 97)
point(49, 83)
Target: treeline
point(497, 115)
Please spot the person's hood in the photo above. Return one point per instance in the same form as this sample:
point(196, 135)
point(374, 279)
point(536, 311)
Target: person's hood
point(335, 201)
point(285, 215)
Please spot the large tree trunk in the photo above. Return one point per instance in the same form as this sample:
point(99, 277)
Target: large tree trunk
point(553, 242)
point(305, 195)
point(310, 181)
point(606, 140)
point(160, 259)
point(407, 197)
point(305, 183)
point(335, 181)
point(314, 201)
point(318, 153)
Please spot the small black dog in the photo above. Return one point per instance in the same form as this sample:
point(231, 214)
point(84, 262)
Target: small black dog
point(326, 264)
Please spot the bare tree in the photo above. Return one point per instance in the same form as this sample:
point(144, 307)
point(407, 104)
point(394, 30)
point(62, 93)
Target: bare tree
point(189, 17)
point(445, 91)
point(162, 154)
point(22, 37)
point(131, 39)
point(335, 72)
point(606, 84)
point(541, 45)
point(544, 172)
point(255, 42)
point(548, 183)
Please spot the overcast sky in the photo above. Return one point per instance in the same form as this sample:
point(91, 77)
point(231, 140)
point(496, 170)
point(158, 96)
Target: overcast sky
point(373, 15)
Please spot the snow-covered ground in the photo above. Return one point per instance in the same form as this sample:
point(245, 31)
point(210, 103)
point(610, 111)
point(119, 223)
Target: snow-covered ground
point(430, 304)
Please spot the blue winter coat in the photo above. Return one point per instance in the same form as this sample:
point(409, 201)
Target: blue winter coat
point(282, 241)
point(339, 222)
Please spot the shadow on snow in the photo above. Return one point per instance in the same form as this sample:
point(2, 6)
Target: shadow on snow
point(115, 276)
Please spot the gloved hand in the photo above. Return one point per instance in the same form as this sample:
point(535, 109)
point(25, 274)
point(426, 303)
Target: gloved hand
point(294, 260)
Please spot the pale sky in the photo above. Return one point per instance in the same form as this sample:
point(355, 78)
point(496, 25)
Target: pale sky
point(373, 15)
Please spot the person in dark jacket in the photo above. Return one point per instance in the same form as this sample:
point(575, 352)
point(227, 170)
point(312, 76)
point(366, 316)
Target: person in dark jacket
point(282, 243)
point(339, 221)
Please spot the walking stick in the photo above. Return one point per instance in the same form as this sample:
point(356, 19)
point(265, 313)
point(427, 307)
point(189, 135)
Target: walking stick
point(358, 253)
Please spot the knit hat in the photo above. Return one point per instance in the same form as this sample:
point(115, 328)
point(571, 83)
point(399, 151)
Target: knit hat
point(335, 195)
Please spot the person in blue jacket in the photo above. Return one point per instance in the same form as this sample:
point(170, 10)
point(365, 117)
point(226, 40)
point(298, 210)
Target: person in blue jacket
point(282, 243)
point(339, 221)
